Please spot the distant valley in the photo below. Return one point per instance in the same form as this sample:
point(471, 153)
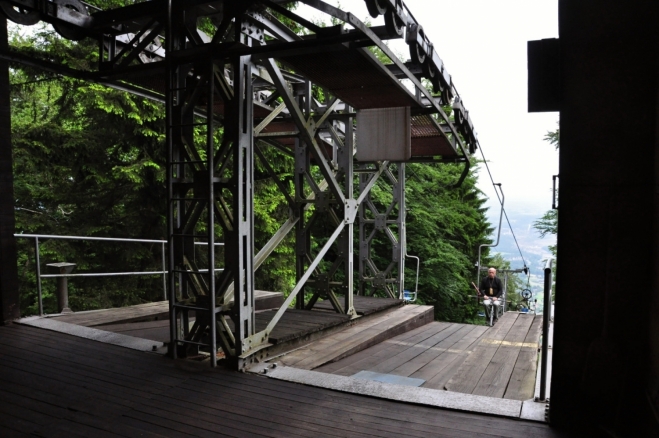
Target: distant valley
point(534, 249)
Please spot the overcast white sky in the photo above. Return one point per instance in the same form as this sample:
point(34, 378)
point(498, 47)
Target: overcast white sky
point(483, 46)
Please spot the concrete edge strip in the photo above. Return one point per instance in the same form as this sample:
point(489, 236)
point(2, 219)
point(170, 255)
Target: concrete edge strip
point(408, 394)
point(534, 411)
point(92, 333)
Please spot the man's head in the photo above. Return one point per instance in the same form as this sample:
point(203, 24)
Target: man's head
point(491, 272)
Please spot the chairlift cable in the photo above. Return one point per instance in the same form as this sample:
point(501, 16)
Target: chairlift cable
point(504, 210)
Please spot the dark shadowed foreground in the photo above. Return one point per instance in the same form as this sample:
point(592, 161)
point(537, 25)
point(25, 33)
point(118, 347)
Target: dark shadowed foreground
point(53, 384)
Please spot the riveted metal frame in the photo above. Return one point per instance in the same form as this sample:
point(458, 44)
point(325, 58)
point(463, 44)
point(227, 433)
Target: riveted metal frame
point(210, 175)
point(385, 221)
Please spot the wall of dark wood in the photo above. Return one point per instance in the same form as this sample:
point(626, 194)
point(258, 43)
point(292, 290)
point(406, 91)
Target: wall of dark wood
point(9, 308)
point(607, 279)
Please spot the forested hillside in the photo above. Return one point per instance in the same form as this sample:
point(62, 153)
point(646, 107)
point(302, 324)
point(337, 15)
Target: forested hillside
point(89, 161)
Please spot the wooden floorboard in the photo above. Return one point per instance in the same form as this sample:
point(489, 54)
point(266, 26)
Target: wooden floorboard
point(335, 406)
point(376, 349)
point(363, 305)
point(371, 357)
point(297, 323)
point(412, 351)
point(522, 380)
point(464, 358)
point(472, 369)
point(382, 410)
point(96, 389)
point(495, 378)
point(445, 343)
point(158, 310)
point(154, 330)
point(441, 369)
point(268, 410)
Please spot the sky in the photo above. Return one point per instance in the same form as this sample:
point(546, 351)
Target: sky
point(483, 46)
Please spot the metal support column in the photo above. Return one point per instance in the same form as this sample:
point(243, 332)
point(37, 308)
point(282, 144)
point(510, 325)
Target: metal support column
point(346, 244)
point(210, 179)
point(240, 241)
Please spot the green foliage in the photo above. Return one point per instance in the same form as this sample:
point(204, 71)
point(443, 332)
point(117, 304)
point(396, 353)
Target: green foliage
point(548, 223)
point(88, 161)
point(553, 137)
point(445, 227)
point(270, 211)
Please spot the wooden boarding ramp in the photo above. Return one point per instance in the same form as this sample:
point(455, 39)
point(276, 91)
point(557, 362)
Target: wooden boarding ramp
point(504, 362)
point(358, 337)
point(499, 361)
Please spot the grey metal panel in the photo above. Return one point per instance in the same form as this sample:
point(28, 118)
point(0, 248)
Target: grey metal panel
point(384, 134)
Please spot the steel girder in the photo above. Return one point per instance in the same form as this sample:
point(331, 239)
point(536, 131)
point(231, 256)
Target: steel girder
point(210, 179)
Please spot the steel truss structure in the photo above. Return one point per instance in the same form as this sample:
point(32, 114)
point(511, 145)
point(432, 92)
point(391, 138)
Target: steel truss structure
point(247, 84)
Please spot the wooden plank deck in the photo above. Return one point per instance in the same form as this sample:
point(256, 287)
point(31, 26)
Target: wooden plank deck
point(498, 362)
point(358, 337)
point(294, 329)
point(56, 385)
point(363, 305)
point(489, 370)
point(150, 311)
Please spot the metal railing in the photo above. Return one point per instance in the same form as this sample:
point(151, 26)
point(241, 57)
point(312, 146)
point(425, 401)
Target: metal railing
point(39, 276)
point(546, 318)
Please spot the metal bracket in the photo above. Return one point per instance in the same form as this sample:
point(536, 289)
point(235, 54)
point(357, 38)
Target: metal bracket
point(351, 210)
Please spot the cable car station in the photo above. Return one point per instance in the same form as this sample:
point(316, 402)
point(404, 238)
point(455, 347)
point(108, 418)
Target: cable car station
point(347, 352)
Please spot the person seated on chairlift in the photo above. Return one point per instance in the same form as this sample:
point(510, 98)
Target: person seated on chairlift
point(491, 288)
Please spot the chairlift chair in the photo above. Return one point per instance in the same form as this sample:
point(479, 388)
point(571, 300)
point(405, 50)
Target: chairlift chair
point(408, 296)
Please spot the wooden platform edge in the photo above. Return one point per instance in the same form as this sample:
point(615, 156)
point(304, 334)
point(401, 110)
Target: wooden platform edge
point(424, 317)
point(308, 357)
point(154, 311)
point(408, 394)
point(94, 334)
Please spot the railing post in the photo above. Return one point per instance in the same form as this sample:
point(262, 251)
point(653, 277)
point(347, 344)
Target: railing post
point(62, 285)
point(164, 272)
point(546, 317)
point(38, 270)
